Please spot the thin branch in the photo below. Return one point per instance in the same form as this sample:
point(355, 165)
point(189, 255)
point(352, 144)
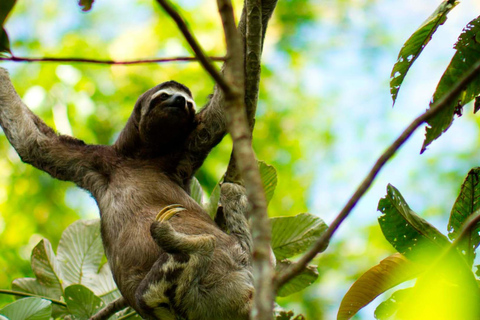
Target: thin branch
point(24, 294)
point(363, 187)
point(112, 308)
point(108, 62)
point(192, 41)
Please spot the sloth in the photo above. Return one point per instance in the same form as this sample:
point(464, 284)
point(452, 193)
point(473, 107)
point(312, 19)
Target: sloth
point(169, 259)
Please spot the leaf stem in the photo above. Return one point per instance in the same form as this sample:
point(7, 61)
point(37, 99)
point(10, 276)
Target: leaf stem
point(367, 182)
point(25, 294)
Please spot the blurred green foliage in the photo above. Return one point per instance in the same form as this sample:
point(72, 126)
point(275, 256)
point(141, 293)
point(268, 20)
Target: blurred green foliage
point(301, 120)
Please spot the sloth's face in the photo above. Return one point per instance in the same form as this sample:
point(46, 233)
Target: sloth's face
point(167, 115)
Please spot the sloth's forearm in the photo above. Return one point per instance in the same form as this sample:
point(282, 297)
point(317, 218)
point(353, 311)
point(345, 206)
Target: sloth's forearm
point(25, 131)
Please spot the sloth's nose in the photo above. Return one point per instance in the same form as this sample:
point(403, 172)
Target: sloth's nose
point(179, 101)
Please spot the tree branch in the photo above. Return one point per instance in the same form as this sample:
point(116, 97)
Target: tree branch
point(108, 62)
point(363, 187)
point(192, 41)
point(113, 307)
point(239, 129)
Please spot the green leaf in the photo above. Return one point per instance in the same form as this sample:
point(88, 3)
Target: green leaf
point(389, 307)
point(468, 201)
point(468, 53)
point(31, 285)
point(28, 309)
point(80, 253)
point(409, 234)
point(196, 191)
point(298, 283)
point(212, 205)
point(4, 42)
point(391, 271)
point(45, 266)
point(6, 7)
point(415, 45)
point(86, 4)
point(294, 235)
point(105, 286)
point(268, 175)
point(81, 302)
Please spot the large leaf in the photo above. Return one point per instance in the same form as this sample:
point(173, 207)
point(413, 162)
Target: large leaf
point(28, 309)
point(268, 175)
point(196, 191)
point(46, 267)
point(468, 201)
point(391, 271)
point(411, 235)
point(468, 53)
point(81, 302)
point(105, 286)
point(389, 307)
point(298, 283)
point(415, 44)
point(294, 235)
point(31, 285)
point(80, 252)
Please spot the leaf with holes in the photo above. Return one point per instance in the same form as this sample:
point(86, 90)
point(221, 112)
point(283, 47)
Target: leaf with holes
point(299, 282)
point(196, 191)
point(391, 271)
point(415, 45)
point(80, 252)
point(467, 55)
point(28, 309)
point(46, 267)
point(468, 202)
point(268, 175)
point(81, 302)
point(411, 235)
point(86, 4)
point(294, 235)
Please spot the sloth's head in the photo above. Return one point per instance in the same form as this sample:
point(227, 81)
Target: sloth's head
point(161, 119)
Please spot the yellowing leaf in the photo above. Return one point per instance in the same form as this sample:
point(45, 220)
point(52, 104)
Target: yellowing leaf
point(390, 272)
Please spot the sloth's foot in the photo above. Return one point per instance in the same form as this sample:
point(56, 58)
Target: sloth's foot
point(169, 211)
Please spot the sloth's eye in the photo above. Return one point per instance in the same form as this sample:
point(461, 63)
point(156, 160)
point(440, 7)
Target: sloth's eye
point(164, 96)
point(190, 105)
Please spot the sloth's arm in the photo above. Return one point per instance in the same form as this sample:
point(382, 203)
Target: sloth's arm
point(211, 119)
point(63, 157)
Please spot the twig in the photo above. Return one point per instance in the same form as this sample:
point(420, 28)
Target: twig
point(113, 307)
point(24, 294)
point(109, 62)
point(363, 187)
point(192, 41)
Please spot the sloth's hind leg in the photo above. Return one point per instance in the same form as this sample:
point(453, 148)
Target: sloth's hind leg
point(186, 258)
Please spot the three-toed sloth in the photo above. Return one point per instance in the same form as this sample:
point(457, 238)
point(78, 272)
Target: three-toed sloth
point(168, 258)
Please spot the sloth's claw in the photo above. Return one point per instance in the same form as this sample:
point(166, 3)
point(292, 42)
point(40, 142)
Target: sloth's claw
point(169, 211)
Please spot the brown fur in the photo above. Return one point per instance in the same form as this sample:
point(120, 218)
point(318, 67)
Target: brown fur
point(185, 267)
